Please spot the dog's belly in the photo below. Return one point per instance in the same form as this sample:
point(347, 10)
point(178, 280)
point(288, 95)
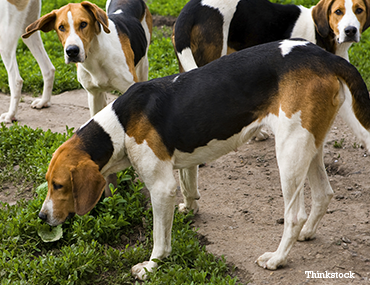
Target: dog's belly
point(214, 148)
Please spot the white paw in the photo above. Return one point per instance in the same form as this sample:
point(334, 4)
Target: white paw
point(262, 135)
point(271, 261)
point(306, 234)
point(184, 209)
point(7, 118)
point(140, 270)
point(39, 103)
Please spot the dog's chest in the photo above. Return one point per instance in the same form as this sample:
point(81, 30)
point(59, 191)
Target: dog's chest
point(103, 77)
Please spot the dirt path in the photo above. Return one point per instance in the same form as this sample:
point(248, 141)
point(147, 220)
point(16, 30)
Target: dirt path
point(241, 207)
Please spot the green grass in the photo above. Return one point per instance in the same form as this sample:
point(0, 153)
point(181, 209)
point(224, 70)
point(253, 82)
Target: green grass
point(98, 248)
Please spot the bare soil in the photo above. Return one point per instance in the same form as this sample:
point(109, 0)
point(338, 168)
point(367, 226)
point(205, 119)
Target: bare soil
point(241, 208)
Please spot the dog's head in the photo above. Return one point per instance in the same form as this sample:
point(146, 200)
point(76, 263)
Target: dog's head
point(347, 19)
point(75, 184)
point(76, 25)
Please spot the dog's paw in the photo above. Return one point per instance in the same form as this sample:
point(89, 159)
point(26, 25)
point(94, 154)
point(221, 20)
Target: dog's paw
point(7, 118)
point(39, 104)
point(262, 135)
point(184, 209)
point(271, 261)
point(306, 234)
point(139, 271)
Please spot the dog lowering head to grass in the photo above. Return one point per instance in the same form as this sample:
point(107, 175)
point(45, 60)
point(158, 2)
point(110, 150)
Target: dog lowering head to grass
point(179, 121)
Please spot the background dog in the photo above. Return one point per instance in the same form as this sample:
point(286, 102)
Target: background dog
point(110, 50)
point(179, 121)
point(15, 16)
point(208, 29)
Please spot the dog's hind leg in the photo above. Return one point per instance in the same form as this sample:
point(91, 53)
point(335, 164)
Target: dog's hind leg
point(321, 193)
point(295, 149)
point(34, 43)
point(189, 189)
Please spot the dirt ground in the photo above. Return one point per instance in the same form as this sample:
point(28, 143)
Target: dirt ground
point(241, 205)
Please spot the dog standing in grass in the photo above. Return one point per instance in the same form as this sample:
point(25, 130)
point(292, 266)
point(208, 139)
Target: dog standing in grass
point(110, 49)
point(176, 122)
point(15, 16)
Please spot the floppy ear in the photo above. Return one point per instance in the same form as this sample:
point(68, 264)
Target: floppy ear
point(320, 15)
point(98, 14)
point(87, 186)
point(367, 23)
point(46, 23)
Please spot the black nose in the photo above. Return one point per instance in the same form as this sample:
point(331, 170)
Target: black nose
point(73, 51)
point(43, 216)
point(350, 31)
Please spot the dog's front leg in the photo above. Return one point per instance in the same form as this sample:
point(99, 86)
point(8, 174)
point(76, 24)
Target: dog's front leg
point(163, 195)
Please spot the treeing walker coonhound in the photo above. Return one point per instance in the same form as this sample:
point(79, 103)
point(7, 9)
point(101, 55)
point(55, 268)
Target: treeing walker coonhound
point(208, 29)
point(15, 16)
point(179, 121)
point(110, 50)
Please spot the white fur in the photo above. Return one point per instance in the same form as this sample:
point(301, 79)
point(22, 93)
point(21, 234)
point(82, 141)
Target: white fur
point(349, 19)
point(47, 208)
point(105, 68)
point(73, 40)
point(286, 46)
point(13, 23)
point(187, 60)
point(304, 27)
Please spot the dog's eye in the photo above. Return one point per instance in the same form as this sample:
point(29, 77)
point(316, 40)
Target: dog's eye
point(57, 186)
point(338, 12)
point(83, 25)
point(359, 10)
point(61, 28)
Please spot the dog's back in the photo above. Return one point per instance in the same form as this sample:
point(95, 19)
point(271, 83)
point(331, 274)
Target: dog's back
point(128, 17)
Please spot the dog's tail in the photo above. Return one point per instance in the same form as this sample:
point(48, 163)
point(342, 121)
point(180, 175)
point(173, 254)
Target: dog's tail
point(181, 40)
point(360, 101)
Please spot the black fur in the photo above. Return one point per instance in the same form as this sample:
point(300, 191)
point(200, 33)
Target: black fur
point(219, 99)
point(128, 22)
point(96, 142)
point(254, 22)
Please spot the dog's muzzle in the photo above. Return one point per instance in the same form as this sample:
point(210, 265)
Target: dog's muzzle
point(351, 34)
point(73, 53)
point(43, 216)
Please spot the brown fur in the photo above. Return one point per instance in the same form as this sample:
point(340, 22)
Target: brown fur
point(75, 183)
point(140, 128)
point(84, 12)
point(312, 101)
point(130, 57)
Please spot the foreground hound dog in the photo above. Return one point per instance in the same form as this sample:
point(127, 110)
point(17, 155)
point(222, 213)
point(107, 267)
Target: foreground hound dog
point(179, 121)
point(208, 29)
point(110, 50)
point(15, 16)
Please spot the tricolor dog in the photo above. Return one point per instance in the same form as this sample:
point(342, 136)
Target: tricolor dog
point(110, 50)
point(179, 121)
point(208, 29)
point(15, 16)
